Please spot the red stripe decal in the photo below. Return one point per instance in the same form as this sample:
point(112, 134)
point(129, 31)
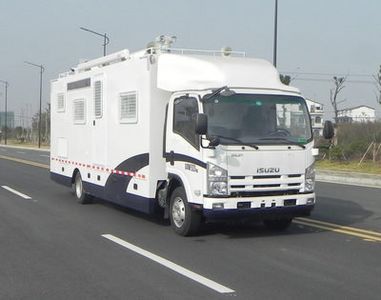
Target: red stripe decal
point(125, 173)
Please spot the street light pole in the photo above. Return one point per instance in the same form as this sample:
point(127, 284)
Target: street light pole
point(106, 40)
point(6, 84)
point(39, 119)
point(275, 32)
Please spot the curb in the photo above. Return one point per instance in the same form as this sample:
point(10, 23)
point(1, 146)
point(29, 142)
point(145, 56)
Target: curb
point(26, 148)
point(350, 178)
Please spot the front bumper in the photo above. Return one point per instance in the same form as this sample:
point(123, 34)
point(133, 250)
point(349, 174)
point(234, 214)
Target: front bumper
point(260, 207)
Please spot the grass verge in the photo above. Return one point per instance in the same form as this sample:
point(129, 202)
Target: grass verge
point(350, 166)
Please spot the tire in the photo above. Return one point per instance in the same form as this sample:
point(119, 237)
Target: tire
point(184, 220)
point(79, 191)
point(278, 224)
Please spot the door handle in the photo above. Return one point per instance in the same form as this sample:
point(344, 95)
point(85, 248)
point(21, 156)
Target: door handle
point(172, 158)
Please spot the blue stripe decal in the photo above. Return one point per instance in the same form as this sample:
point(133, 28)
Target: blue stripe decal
point(181, 157)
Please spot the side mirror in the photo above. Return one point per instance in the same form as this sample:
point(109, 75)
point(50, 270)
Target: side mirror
point(201, 124)
point(328, 130)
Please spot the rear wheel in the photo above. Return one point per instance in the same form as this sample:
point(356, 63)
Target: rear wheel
point(278, 224)
point(184, 220)
point(79, 191)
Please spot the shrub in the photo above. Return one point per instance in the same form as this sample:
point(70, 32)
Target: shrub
point(353, 139)
point(366, 132)
point(336, 153)
point(355, 149)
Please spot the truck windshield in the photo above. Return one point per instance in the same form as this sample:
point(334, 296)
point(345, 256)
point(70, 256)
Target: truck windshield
point(258, 119)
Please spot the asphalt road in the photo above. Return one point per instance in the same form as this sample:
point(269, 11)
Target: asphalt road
point(39, 156)
point(53, 248)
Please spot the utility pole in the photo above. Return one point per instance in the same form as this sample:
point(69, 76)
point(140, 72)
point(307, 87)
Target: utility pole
point(275, 32)
point(6, 84)
point(106, 40)
point(39, 119)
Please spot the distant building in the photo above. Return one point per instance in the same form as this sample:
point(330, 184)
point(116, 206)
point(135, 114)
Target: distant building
point(357, 114)
point(10, 119)
point(316, 110)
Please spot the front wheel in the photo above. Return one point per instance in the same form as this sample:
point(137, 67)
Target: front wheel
point(184, 220)
point(79, 191)
point(278, 224)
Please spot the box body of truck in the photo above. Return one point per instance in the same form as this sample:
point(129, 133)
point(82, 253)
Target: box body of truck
point(123, 129)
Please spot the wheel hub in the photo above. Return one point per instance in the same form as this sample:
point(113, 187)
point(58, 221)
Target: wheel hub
point(78, 188)
point(178, 212)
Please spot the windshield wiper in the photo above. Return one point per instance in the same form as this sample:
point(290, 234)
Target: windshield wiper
point(282, 139)
point(224, 91)
point(237, 140)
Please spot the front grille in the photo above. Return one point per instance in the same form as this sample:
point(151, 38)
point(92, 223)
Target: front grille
point(238, 186)
point(265, 185)
point(268, 193)
point(257, 185)
point(266, 176)
point(237, 177)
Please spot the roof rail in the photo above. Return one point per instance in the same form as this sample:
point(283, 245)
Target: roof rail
point(222, 52)
point(103, 61)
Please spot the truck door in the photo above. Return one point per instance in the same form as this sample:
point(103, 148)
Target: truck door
point(182, 152)
point(99, 124)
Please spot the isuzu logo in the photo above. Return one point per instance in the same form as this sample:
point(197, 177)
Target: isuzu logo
point(267, 170)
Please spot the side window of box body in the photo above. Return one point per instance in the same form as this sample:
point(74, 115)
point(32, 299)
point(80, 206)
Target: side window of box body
point(128, 107)
point(79, 111)
point(60, 102)
point(98, 99)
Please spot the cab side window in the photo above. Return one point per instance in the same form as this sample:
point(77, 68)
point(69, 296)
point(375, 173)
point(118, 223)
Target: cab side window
point(184, 119)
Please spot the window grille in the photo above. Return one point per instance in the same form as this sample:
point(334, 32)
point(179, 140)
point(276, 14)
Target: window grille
point(79, 111)
point(60, 102)
point(128, 107)
point(98, 98)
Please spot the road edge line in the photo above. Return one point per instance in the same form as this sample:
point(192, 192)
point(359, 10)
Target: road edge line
point(26, 162)
point(347, 232)
point(338, 226)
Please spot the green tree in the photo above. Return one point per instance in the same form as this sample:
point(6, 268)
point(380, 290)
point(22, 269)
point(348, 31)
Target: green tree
point(45, 124)
point(334, 92)
point(377, 79)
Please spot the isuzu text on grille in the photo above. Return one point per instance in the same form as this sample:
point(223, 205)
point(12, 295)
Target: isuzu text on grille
point(267, 170)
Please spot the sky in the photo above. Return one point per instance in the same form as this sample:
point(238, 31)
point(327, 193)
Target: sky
point(316, 40)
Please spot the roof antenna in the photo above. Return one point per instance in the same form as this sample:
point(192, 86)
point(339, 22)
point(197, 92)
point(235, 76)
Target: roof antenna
point(226, 51)
point(161, 43)
point(165, 41)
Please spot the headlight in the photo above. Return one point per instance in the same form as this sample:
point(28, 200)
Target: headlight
point(217, 180)
point(309, 183)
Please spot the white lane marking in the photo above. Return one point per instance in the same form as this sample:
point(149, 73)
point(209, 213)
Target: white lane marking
point(44, 155)
point(170, 265)
point(16, 192)
point(21, 152)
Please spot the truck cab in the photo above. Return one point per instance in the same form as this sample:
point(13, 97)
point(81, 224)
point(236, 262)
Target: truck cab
point(236, 151)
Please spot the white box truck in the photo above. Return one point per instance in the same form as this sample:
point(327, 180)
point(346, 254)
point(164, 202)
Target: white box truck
point(201, 135)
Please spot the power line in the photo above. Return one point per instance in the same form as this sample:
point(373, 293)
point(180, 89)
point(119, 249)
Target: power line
point(328, 74)
point(330, 80)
